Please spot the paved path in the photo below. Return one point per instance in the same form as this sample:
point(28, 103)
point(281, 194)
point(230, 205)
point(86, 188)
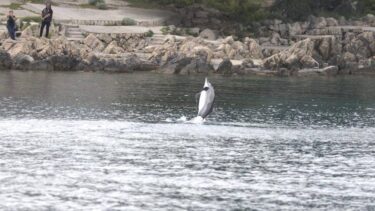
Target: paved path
point(356, 28)
point(6, 2)
point(119, 29)
point(17, 13)
point(104, 17)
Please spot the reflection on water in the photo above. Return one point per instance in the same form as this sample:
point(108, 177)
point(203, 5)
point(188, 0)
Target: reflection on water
point(118, 141)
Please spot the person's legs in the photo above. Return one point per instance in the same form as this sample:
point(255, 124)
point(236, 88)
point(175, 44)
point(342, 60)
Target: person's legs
point(14, 33)
point(47, 28)
point(11, 32)
point(42, 28)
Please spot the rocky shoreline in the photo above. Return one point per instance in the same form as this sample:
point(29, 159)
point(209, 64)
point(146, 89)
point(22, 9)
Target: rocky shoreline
point(320, 46)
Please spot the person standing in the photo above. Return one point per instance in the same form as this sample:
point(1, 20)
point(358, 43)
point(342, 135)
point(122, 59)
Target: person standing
point(47, 14)
point(11, 25)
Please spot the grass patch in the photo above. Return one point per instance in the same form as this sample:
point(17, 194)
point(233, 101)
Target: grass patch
point(26, 21)
point(100, 4)
point(87, 6)
point(29, 19)
point(13, 6)
point(165, 30)
point(144, 4)
point(41, 2)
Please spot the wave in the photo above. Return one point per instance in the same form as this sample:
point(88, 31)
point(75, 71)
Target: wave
point(106, 129)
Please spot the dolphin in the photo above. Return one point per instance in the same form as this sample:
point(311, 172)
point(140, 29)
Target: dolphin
point(206, 100)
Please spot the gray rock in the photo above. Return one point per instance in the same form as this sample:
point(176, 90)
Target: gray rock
point(22, 61)
point(5, 60)
point(209, 34)
point(186, 66)
point(63, 63)
point(331, 70)
point(225, 67)
point(332, 22)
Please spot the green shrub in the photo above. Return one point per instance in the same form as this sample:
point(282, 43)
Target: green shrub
point(165, 30)
point(149, 33)
point(191, 33)
point(14, 6)
point(94, 2)
point(101, 5)
point(29, 19)
point(128, 22)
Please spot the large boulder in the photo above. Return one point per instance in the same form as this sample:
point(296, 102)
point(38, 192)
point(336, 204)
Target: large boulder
point(63, 62)
point(94, 43)
point(299, 56)
point(209, 34)
point(363, 45)
point(187, 65)
point(255, 51)
point(5, 60)
point(22, 61)
point(317, 22)
point(113, 48)
point(225, 67)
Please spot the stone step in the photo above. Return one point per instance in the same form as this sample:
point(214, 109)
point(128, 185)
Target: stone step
point(75, 36)
point(74, 39)
point(75, 32)
point(74, 29)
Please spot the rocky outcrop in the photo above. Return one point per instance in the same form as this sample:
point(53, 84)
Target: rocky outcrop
point(5, 60)
point(94, 43)
point(225, 67)
point(299, 56)
point(59, 54)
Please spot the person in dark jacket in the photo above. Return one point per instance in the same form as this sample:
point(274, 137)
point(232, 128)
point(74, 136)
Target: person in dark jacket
point(47, 14)
point(11, 25)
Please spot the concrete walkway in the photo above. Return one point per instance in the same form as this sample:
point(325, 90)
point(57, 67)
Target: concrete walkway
point(86, 16)
point(120, 29)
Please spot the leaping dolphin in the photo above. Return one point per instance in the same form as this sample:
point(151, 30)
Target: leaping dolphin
point(206, 100)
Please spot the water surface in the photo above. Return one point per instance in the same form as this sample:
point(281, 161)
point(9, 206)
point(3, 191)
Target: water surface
point(93, 141)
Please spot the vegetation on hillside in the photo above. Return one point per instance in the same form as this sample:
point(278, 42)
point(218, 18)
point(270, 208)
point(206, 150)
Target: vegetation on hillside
point(250, 10)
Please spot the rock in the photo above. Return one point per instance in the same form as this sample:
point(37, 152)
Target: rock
point(63, 62)
point(32, 30)
point(202, 52)
point(225, 67)
point(307, 62)
point(332, 22)
point(106, 38)
point(326, 47)
point(331, 70)
point(8, 44)
point(113, 48)
point(275, 39)
point(194, 31)
point(186, 66)
point(202, 14)
point(94, 43)
point(22, 61)
point(209, 34)
point(299, 56)
point(363, 45)
point(255, 51)
point(317, 23)
point(228, 40)
point(5, 60)
point(342, 21)
point(20, 48)
point(295, 29)
point(349, 57)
